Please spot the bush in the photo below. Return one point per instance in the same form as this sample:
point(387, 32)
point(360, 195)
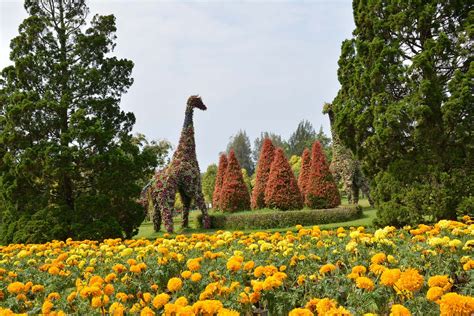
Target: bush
point(322, 190)
point(282, 191)
point(466, 207)
point(216, 196)
point(234, 194)
point(280, 219)
point(304, 171)
point(263, 172)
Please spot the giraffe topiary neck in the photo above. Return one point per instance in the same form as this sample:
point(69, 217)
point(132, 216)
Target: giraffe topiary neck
point(188, 117)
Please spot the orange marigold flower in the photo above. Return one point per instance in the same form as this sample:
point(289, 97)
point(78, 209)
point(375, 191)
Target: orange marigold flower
point(15, 287)
point(434, 293)
point(456, 304)
point(37, 288)
point(440, 280)
point(365, 283)
point(116, 309)
point(410, 280)
point(174, 284)
point(160, 300)
point(325, 305)
point(390, 276)
point(359, 270)
point(196, 277)
point(146, 311)
point(47, 307)
point(377, 268)
point(399, 310)
point(340, 311)
point(378, 258)
point(181, 301)
point(186, 274)
point(327, 268)
point(300, 312)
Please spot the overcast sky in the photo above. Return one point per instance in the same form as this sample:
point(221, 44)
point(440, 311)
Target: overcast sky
point(258, 65)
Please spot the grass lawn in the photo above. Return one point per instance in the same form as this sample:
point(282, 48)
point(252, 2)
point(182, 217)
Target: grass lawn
point(146, 229)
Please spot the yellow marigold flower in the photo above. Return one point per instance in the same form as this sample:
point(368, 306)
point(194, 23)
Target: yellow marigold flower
point(327, 268)
point(37, 288)
point(110, 277)
point(301, 279)
point(147, 297)
point(196, 277)
point(227, 312)
point(15, 287)
point(21, 297)
point(249, 265)
point(390, 276)
point(96, 302)
point(181, 301)
point(244, 298)
point(365, 283)
point(434, 293)
point(47, 307)
point(312, 304)
point(135, 268)
point(174, 284)
point(109, 289)
point(53, 296)
point(194, 264)
point(359, 270)
point(119, 268)
point(378, 258)
point(146, 311)
point(440, 280)
point(456, 304)
point(53, 270)
point(377, 268)
point(325, 305)
point(410, 280)
point(71, 296)
point(254, 297)
point(233, 265)
point(160, 300)
point(186, 274)
point(468, 265)
point(300, 312)
point(207, 307)
point(340, 311)
point(116, 309)
point(399, 310)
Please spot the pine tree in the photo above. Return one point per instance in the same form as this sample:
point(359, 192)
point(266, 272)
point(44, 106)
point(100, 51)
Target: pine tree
point(304, 172)
point(70, 166)
point(240, 143)
point(282, 190)
point(321, 190)
point(234, 193)
point(263, 172)
point(209, 182)
point(222, 168)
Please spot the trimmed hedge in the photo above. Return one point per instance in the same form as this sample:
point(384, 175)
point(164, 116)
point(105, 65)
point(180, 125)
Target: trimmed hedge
point(281, 219)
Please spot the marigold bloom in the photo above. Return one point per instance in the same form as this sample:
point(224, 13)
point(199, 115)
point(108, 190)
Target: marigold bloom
point(390, 276)
point(340, 311)
point(146, 311)
point(456, 304)
point(174, 284)
point(15, 287)
point(37, 288)
point(365, 283)
point(160, 300)
point(193, 264)
point(378, 258)
point(440, 280)
point(359, 270)
point(410, 280)
point(399, 310)
point(186, 274)
point(434, 293)
point(327, 268)
point(300, 312)
point(325, 305)
point(196, 277)
point(181, 301)
point(116, 309)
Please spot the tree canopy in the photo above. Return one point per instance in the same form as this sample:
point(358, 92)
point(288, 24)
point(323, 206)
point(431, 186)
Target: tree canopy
point(70, 166)
point(405, 106)
point(240, 143)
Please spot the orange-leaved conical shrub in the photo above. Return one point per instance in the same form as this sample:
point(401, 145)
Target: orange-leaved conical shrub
point(234, 193)
point(304, 171)
point(263, 171)
point(219, 181)
point(282, 190)
point(321, 190)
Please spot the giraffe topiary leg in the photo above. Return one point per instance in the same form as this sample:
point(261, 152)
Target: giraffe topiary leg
point(201, 204)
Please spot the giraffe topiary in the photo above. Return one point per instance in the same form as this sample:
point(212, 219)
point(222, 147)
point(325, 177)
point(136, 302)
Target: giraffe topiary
point(345, 167)
point(181, 176)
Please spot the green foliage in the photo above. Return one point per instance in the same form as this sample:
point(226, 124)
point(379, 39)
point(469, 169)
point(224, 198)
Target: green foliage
point(265, 219)
point(466, 207)
point(405, 106)
point(276, 139)
point(247, 179)
point(209, 182)
point(240, 143)
point(70, 166)
point(295, 163)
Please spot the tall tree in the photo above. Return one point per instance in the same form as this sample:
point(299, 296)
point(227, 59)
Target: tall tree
point(405, 106)
point(304, 137)
point(234, 194)
point(240, 143)
point(276, 139)
point(70, 165)
point(209, 182)
point(220, 176)
point(263, 171)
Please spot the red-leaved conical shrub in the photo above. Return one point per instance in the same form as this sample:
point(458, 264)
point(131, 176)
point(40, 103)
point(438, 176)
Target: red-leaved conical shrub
point(234, 193)
point(282, 190)
point(304, 171)
point(263, 171)
point(321, 190)
point(219, 180)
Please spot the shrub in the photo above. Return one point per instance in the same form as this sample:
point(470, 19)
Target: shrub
point(322, 190)
point(282, 191)
point(280, 219)
point(466, 207)
point(304, 171)
point(234, 195)
point(219, 180)
point(263, 172)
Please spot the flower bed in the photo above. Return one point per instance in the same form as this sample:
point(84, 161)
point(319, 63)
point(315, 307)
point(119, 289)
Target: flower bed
point(425, 270)
point(267, 219)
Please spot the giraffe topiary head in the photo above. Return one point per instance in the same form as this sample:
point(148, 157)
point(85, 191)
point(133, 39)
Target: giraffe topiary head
point(196, 102)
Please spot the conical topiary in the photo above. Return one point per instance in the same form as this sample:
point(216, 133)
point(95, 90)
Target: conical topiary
point(234, 194)
point(321, 191)
point(304, 171)
point(282, 190)
point(263, 171)
point(219, 180)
